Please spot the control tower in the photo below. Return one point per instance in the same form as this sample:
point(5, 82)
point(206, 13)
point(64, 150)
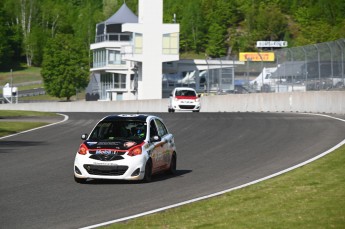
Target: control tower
point(153, 43)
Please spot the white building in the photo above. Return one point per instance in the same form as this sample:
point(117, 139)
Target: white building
point(129, 51)
point(137, 57)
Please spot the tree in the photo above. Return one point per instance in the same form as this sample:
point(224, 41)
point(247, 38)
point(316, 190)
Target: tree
point(270, 22)
point(215, 45)
point(10, 43)
point(25, 18)
point(191, 27)
point(65, 66)
point(222, 27)
point(5, 49)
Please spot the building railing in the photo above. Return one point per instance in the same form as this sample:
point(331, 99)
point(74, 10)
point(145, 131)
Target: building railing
point(125, 37)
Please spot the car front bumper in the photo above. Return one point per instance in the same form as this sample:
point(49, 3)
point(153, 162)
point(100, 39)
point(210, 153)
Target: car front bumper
point(129, 168)
point(190, 106)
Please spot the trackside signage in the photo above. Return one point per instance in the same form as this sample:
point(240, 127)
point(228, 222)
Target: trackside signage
point(271, 44)
point(256, 56)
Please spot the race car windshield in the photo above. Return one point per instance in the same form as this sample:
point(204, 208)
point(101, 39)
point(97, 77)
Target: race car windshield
point(119, 130)
point(188, 93)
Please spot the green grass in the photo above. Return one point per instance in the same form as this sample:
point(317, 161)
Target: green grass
point(312, 196)
point(191, 55)
point(20, 76)
point(12, 127)
point(8, 128)
point(47, 97)
point(29, 87)
point(15, 113)
point(40, 98)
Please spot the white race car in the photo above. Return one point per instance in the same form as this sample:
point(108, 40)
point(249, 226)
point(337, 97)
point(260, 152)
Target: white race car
point(184, 99)
point(126, 147)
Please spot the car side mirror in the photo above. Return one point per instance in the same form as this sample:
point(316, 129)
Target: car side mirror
point(171, 95)
point(199, 95)
point(84, 136)
point(155, 138)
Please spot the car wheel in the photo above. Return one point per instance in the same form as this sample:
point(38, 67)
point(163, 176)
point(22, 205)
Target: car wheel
point(148, 172)
point(79, 180)
point(172, 169)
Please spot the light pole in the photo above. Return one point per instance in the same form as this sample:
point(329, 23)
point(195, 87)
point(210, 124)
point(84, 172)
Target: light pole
point(248, 60)
point(262, 71)
point(208, 75)
point(135, 83)
point(11, 86)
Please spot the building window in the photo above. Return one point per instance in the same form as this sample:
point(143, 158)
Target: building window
point(103, 57)
point(99, 58)
point(119, 96)
point(105, 84)
point(138, 43)
point(114, 57)
point(171, 44)
point(110, 81)
point(119, 81)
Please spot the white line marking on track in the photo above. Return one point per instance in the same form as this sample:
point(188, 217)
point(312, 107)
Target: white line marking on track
point(52, 124)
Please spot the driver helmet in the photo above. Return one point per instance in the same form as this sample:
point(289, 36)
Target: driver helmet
point(140, 132)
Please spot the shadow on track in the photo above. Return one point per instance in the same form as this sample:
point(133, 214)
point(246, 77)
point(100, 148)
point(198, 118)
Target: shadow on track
point(155, 178)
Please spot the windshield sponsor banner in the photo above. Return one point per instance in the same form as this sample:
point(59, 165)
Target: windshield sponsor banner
point(186, 97)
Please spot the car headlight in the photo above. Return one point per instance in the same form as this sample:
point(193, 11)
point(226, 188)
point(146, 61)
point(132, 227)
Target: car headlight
point(83, 149)
point(135, 151)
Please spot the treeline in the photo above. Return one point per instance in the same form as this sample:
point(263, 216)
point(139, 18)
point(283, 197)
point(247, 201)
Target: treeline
point(212, 27)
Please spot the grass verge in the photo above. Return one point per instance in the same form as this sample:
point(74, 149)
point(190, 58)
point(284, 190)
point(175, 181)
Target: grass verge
point(15, 113)
point(8, 128)
point(20, 76)
point(45, 97)
point(12, 127)
point(312, 196)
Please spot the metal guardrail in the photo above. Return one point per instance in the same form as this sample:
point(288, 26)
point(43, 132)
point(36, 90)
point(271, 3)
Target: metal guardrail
point(36, 93)
point(25, 83)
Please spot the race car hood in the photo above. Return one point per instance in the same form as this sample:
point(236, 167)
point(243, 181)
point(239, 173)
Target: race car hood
point(114, 144)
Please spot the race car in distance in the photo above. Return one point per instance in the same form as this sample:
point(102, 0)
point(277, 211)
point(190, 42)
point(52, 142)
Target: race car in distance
point(126, 147)
point(184, 99)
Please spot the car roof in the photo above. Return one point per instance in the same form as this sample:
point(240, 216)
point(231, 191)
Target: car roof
point(184, 88)
point(128, 117)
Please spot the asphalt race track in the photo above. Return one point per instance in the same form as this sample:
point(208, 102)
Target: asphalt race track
point(216, 151)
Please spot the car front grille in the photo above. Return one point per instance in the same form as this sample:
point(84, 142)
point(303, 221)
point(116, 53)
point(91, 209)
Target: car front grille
point(116, 170)
point(186, 106)
point(104, 157)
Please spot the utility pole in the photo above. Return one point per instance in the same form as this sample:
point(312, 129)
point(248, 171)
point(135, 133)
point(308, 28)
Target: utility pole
point(11, 86)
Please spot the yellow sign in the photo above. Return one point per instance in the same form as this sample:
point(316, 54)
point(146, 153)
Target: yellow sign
point(257, 56)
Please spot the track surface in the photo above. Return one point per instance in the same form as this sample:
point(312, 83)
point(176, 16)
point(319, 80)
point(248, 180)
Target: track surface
point(216, 151)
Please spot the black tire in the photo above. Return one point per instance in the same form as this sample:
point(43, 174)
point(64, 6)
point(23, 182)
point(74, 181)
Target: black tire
point(148, 172)
point(79, 180)
point(172, 169)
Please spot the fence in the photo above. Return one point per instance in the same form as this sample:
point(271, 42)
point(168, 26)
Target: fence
point(306, 68)
point(314, 67)
point(206, 76)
